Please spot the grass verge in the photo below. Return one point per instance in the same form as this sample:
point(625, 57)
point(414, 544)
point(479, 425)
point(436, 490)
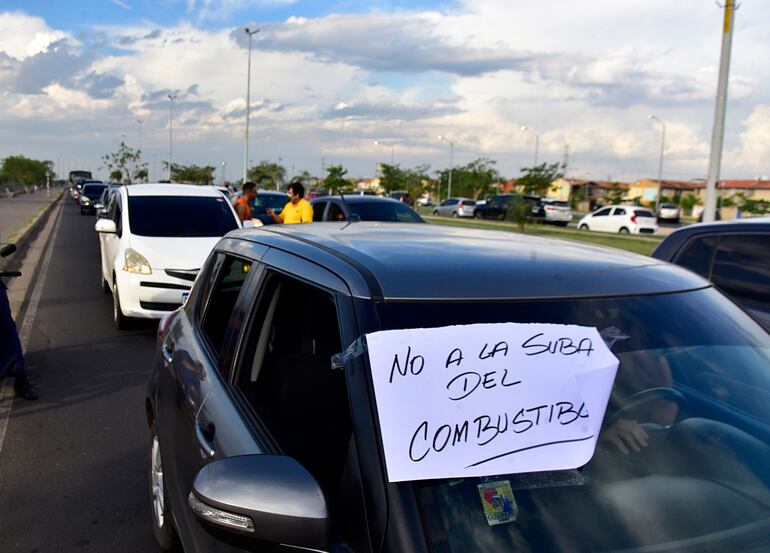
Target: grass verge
point(644, 245)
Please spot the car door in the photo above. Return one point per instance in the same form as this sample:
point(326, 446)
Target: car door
point(617, 220)
point(297, 402)
point(197, 423)
point(111, 242)
point(335, 213)
point(598, 221)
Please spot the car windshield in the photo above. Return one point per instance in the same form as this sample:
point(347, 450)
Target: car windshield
point(644, 213)
point(93, 191)
point(468, 202)
point(272, 201)
point(180, 216)
point(384, 211)
point(682, 460)
point(669, 206)
point(558, 204)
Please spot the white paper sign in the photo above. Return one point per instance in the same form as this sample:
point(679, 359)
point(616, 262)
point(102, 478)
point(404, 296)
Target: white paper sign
point(488, 399)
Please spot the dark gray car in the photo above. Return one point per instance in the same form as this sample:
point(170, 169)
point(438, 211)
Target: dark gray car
point(260, 442)
point(362, 208)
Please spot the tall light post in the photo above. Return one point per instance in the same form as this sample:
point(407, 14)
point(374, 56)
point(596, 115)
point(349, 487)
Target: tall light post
point(660, 160)
point(525, 128)
point(171, 98)
point(392, 150)
point(451, 164)
point(248, 106)
point(718, 133)
point(139, 122)
point(224, 165)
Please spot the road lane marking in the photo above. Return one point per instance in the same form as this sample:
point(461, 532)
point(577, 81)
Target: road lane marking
point(6, 387)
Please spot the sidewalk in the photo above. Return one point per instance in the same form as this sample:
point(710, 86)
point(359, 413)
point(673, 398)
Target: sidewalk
point(19, 213)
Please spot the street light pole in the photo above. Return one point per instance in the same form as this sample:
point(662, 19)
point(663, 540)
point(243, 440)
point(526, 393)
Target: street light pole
point(660, 161)
point(718, 134)
point(248, 106)
point(392, 151)
point(537, 140)
point(171, 98)
point(224, 164)
point(139, 122)
point(451, 165)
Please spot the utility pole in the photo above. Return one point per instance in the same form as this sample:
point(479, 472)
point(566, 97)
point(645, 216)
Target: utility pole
point(451, 165)
point(660, 159)
point(170, 130)
point(718, 134)
point(248, 106)
point(565, 162)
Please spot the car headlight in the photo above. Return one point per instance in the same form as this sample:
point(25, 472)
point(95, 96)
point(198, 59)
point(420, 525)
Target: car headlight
point(85, 200)
point(136, 263)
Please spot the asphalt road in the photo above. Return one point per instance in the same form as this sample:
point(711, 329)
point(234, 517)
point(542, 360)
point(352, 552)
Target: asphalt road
point(73, 464)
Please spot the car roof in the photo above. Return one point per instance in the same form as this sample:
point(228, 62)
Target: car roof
point(430, 262)
point(357, 199)
point(671, 244)
point(172, 190)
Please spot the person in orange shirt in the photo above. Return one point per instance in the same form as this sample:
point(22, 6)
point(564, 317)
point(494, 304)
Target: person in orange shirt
point(297, 209)
point(242, 207)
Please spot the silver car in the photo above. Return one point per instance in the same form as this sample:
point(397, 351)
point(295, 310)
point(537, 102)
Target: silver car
point(557, 212)
point(456, 207)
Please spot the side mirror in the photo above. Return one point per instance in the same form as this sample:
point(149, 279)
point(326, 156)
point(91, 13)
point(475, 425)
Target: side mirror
point(106, 226)
point(268, 498)
point(7, 250)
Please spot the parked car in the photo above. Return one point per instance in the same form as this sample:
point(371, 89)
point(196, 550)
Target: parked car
point(424, 201)
point(669, 212)
point(362, 208)
point(258, 440)
point(402, 196)
point(89, 196)
point(625, 219)
point(734, 255)
point(101, 203)
point(497, 206)
point(265, 199)
point(153, 241)
point(557, 212)
point(455, 207)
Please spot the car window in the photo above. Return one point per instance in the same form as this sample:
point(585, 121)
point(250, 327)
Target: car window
point(697, 255)
point(273, 201)
point(180, 216)
point(335, 212)
point(222, 300)
point(696, 392)
point(742, 267)
point(452, 201)
point(318, 211)
point(619, 211)
point(603, 212)
point(384, 211)
point(644, 213)
point(117, 215)
point(469, 202)
point(286, 377)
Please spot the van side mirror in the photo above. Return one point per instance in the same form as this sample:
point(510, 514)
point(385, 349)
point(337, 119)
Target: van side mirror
point(267, 498)
point(105, 226)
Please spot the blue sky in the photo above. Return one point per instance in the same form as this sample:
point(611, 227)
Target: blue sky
point(331, 78)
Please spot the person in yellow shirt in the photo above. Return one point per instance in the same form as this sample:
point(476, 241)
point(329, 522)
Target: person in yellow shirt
point(297, 209)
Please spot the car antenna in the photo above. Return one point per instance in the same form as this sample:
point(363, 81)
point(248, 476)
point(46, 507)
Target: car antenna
point(352, 218)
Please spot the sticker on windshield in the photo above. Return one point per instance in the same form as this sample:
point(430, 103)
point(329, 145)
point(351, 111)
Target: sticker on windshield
point(487, 399)
point(498, 502)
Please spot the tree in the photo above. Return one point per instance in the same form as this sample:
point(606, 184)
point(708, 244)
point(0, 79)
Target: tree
point(23, 170)
point(689, 201)
point(615, 194)
point(192, 174)
point(415, 181)
point(126, 160)
point(116, 175)
point(538, 179)
point(267, 174)
point(335, 179)
point(474, 180)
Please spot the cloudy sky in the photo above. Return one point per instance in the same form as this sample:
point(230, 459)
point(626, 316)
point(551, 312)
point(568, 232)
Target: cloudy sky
point(330, 78)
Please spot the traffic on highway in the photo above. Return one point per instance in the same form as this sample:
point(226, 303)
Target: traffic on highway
point(534, 346)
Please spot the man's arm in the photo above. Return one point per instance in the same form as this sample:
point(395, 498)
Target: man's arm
point(306, 213)
point(240, 209)
point(276, 218)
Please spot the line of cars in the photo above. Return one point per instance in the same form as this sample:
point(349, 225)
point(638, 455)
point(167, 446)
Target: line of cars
point(547, 210)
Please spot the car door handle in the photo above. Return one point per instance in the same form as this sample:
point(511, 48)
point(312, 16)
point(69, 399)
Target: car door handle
point(167, 351)
point(205, 435)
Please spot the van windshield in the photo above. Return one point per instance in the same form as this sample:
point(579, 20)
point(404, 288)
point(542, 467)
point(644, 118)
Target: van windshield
point(180, 216)
point(684, 452)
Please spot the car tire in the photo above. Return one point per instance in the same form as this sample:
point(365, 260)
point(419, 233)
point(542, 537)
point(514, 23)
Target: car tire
point(162, 521)
point(561, 224)
point(624, 230)
point(584, 227)
point(435, 212)
point(120, 321)
point(105, 285)
point(454, 214)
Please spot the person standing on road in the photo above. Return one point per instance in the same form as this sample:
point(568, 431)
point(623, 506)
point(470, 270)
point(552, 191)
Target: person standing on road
point(11, 355)
point(297, 209)
point(242, 204)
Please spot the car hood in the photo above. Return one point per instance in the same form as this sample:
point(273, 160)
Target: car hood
point(173, 253)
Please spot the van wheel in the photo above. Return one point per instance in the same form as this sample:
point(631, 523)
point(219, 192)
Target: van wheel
point(162, 524)
point(624, 230)
point(583, 227)
point(120, 321)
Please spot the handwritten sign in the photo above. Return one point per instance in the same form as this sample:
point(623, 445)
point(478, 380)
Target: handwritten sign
point(489, 399)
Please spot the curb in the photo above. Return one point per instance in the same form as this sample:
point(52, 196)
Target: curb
point(21, 236)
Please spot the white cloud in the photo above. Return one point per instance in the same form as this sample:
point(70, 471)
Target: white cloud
point(22, 35)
